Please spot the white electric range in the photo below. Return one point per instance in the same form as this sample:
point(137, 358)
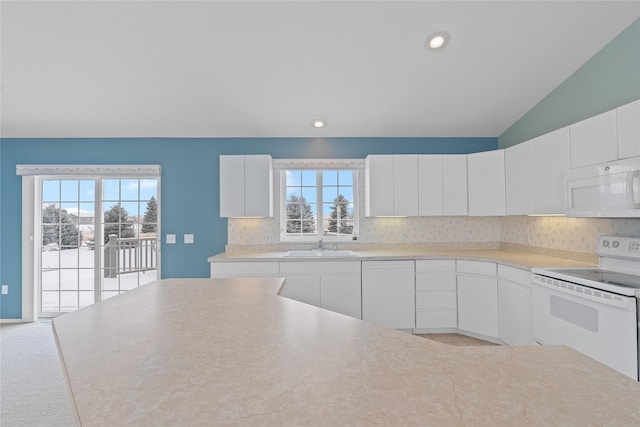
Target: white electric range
point(594, 310)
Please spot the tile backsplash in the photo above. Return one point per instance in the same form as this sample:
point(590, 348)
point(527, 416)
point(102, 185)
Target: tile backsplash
point(558, 233)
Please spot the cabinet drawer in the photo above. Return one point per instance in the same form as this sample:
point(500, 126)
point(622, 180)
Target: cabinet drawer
point(436, 319)
point(436, 282)
point(320, 267)
point(435, 300)
point(427, 266)
point(514, 274)
point(477, 267)
point(244, 269)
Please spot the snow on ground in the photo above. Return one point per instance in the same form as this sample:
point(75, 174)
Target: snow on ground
point(68, 279)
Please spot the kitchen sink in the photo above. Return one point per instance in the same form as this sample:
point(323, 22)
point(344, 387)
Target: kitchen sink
point(313, 253)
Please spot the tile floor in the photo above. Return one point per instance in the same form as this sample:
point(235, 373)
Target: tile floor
point(455, 339)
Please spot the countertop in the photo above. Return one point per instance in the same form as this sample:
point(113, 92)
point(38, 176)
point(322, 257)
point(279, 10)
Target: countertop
point(233, 352)
point(516, 259)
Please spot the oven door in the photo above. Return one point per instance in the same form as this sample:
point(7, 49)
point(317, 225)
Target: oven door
point(598, 324)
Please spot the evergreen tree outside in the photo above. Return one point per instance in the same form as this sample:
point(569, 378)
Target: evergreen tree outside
point(58, 227)
point(150, 219)
point(300, 218)
point(116, 221)
point(339, 216)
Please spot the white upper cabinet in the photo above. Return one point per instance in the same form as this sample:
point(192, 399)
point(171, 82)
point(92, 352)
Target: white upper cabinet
point(442, 184)
point(594, 140)
point(629, 130)
point(391, 183)
point(454, 184)
point(430, 176)
point(246, 186)
point(405, 184)
point(519, 179)
point(486, 183)
point(550, 162)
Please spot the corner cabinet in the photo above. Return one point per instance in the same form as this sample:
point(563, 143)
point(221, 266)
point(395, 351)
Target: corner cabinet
point(246, 186)
point(486, 182)
point(391, 185)
point(478, 298)
point(551, 160)
point(519, 179)
point(514, 306)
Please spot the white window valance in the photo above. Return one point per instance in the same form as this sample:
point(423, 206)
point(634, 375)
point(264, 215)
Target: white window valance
point(100, 170)
point(318, 163)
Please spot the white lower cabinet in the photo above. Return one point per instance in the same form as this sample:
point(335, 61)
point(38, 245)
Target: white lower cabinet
point(333, 285)
point(514, 306)
point(478, 298)
point(221, 270)
point(436, 303)
point(388, 293)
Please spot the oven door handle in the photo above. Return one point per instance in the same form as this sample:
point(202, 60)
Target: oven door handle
point(633, 186)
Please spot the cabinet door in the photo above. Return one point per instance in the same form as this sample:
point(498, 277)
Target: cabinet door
point(550, 163)
point(594, 140)
point(405, 185)
point(486, 182)
point(302, 288)
point(388, 293)
point(514, 313)
point(342, 293)
point(231, 186)
point(430, 191)
point(379, 185)
point(519, 179)
point(478, 305)
point(629, 130)
point(454, 185)
point(258, 186)
point(244, 269)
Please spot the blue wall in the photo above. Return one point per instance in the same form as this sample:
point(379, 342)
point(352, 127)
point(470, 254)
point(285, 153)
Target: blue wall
point(189, 189)
point(608, 80)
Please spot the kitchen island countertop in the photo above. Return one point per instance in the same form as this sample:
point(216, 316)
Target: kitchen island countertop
point(233, 352)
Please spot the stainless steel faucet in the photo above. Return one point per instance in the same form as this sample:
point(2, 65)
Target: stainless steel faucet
point(320, 245)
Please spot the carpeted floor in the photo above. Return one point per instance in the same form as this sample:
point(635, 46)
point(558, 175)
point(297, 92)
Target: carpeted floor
point(32, 388)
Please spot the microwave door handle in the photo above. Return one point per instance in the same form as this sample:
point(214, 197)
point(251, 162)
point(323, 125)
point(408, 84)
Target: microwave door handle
point(633, 181)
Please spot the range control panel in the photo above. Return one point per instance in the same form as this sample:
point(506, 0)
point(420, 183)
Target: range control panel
point(619, 247)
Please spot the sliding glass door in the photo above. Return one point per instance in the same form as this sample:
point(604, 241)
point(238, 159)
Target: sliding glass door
point(98, 238)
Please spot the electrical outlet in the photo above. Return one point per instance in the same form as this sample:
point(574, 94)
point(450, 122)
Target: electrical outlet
point(188, 239)
point(171, 239)
point(5, 289)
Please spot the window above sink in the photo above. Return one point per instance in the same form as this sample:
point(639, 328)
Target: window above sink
point(319, 200)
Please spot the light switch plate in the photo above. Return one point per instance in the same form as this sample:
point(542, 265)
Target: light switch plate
point(171, 239)
point(5, 289)
point(188, 239)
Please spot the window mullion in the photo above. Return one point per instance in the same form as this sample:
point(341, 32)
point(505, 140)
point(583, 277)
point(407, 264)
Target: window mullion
point(319, 204)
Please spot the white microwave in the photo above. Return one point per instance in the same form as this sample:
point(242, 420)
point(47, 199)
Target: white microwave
point(606, 190)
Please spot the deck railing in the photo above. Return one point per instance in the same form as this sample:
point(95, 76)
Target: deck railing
point(129, 255)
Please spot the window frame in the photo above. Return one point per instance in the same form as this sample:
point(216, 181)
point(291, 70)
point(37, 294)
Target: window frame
point(281, 166)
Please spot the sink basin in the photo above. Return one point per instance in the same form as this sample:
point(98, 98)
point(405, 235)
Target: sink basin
point(303, 254)
point(337, 253)
point(312, 253)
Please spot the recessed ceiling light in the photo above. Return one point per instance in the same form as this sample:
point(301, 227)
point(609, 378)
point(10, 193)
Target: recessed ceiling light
point(437, 40)
point(318, 123)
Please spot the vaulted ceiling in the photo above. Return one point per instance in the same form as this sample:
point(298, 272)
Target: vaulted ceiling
point(267, 69)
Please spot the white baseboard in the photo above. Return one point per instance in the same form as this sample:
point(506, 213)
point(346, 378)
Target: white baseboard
point(11, 321)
